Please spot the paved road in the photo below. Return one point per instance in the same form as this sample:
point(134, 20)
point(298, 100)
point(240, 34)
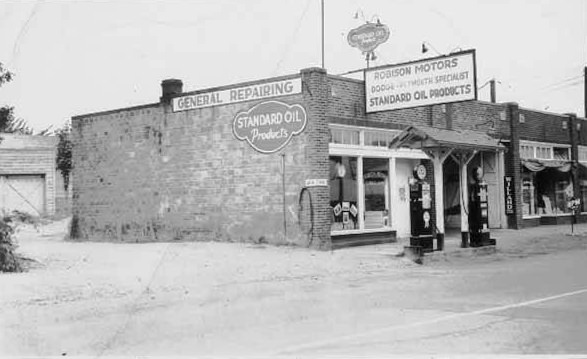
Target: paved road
point(532, 306)
point(165, 299)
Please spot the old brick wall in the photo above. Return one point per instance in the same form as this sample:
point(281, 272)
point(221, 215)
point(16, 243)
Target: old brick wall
point(145, 173)
point(348, 106)
point(544, 127)
point(30, 155)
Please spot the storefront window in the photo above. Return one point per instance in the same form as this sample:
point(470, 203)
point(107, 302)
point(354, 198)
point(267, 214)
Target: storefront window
point(554, 190)
point(343, 193)
point(529, 195)
point(375, 182)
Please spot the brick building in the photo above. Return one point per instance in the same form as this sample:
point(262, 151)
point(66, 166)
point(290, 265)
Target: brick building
point(230, 164)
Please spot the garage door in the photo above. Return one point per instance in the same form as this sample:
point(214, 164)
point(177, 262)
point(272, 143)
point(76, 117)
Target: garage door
point(25, 193)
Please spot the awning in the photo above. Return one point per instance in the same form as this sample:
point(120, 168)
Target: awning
point(429, 138)
point(535, 165)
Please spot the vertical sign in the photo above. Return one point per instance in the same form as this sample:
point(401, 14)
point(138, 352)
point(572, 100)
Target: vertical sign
point(509, 195)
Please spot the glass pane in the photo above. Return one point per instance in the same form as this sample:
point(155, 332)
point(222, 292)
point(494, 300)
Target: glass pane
point(375, 182)
point(529, 199)
point(343, 193)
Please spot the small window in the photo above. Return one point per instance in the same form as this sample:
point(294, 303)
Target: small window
point(502, 116)
point(522, 118)
point(564, 125)
point(344, 136)
point(379, 138)
point(561, 153)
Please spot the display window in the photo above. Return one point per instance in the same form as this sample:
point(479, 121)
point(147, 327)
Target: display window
point(546, 191)
point(343, 193)
point(529, 194)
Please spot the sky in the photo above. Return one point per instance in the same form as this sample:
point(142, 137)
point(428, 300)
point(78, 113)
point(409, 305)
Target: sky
point(77, 57)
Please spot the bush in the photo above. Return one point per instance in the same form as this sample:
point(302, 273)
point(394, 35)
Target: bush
point(9, 262)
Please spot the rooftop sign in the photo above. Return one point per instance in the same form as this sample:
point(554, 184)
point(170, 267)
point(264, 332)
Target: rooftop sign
point(238, 94)
point(443, 79)
point(368, 36)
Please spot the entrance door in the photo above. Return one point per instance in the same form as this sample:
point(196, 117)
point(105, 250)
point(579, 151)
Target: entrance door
point(376, 184)
point(401, 209)
point(490, 171)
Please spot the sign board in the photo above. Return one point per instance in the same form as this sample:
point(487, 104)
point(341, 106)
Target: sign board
point(509, 195)
point(438, 80)
point(238, 94)
point(320, 182)
point(368, 36)
point(270, 125)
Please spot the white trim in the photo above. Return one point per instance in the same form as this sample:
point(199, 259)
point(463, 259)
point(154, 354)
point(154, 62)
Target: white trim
point(338, 149)
point(351, 127)
point(534, 216)
point(360, 231)
point(544, 144)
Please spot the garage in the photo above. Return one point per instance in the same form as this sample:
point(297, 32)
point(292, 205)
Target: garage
point(25, 193)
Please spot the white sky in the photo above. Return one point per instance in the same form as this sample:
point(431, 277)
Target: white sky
point(75, 57)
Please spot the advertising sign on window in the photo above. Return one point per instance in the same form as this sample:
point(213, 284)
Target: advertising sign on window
point(438, 80)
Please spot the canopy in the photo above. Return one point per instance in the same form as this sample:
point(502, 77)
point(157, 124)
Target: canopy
point(535, 165)
point(429, 138)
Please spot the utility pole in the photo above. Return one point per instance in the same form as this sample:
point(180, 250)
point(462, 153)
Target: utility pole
point(322, 33)
point(492, 90)
point(585, 91)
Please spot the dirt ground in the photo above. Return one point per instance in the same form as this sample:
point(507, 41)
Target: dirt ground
point(135, 299)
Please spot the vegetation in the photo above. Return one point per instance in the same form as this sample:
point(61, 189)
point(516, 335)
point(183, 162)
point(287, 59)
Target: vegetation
point(8, 260)
point(64, 148)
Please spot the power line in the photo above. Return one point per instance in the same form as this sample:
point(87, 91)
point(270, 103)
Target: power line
point(294, 36)
point(23, 30)
point(562, 82)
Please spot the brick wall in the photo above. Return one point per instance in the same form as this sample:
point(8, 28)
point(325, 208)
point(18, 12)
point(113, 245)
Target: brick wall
point(146, 173)
point(30, 155)
point(348, 106)
point(544, 127)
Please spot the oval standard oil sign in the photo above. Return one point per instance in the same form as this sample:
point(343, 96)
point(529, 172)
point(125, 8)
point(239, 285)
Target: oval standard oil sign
point(270, 125)
point(368, 36)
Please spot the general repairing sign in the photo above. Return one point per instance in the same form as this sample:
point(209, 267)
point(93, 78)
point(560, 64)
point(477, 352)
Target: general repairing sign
point(238, 94)
point(443, 79)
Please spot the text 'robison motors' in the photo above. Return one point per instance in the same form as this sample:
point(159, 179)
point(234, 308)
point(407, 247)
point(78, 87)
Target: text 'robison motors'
point(431, 81)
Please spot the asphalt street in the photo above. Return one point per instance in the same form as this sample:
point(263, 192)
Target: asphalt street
point(230, 299)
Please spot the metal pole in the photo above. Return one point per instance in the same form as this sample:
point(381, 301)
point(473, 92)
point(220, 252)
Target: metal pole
point(585, 90)
point(322, 33)
point(283, 186)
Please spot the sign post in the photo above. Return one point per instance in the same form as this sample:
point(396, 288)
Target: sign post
point(367, 37)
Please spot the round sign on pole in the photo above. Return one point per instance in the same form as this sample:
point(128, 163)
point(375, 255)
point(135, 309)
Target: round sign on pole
point(368, 36)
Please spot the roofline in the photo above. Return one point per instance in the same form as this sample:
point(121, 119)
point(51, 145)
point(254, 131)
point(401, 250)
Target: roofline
point(108, 112)
point(239, 84)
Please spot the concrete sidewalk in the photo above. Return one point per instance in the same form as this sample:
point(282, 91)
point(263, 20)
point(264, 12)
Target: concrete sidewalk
point(509, 243)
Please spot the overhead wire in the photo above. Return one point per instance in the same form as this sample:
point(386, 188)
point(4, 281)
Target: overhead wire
point(293, 37)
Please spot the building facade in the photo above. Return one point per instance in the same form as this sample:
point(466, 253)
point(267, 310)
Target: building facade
point(298, 160)
point(29, 181)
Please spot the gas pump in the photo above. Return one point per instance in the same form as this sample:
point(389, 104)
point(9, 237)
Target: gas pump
point(479, 211)
point(420, 211)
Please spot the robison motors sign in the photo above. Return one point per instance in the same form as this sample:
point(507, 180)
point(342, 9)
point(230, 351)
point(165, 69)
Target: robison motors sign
point(432, 81)
point(270, 125)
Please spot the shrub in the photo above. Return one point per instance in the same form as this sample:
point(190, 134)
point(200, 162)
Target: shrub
point(9, 262)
